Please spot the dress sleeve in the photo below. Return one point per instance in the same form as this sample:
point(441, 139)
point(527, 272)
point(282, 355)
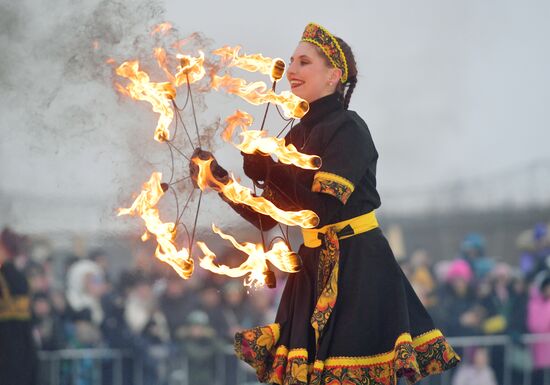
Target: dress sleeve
point(260, 221)
point(345, 161)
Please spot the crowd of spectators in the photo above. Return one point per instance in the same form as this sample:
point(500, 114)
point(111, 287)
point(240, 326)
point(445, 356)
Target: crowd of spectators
point(475, 295)
point(149, 310)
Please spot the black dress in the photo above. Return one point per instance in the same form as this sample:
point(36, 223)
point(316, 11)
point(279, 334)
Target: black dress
point(350, 316)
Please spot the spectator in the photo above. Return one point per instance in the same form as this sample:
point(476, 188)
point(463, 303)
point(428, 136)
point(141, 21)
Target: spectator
point(477, 372)
point(498, 305)
point(499, 300)
point(18, 361)
point(48, 329)
point(177, 301)
point(517, 318)
point(85, 287)
point(142, 314)
point(238, 309)
point(538, 321)
point(211, 304)
point(533, 259)
point(148, 328)
point(101, 258)
point(473, 251)
point(38, 280)
point(201, 345)
point(422, 278)
point(459, 313)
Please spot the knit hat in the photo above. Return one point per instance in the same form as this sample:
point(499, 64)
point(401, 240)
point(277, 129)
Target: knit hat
point(459, 269)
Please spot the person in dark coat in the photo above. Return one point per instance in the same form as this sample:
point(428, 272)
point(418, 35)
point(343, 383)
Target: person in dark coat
point(18, 359)
point(459, 312)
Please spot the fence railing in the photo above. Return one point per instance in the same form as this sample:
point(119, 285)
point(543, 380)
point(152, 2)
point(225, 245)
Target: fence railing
point(510, 359)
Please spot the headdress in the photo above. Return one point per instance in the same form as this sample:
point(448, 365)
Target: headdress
point(316, 34)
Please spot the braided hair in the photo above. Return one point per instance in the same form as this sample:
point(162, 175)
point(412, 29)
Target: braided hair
point(346, 89)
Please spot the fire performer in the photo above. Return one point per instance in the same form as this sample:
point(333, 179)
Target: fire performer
point(350, 315)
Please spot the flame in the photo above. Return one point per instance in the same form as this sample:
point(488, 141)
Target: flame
point(255, 265)
point(160, 95)
point(189, 67)
point(162, 28)
point(242, 195)
point(162, 61)
point(254, 140)
point(252, 63)
point(257, 93)
point(258, 141)
point(238, 119)
point(165, 233)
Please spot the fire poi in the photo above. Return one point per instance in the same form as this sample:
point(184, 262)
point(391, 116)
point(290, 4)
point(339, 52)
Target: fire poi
point(192, 69)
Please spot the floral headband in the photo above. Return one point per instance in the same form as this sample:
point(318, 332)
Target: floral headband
point(316, 34)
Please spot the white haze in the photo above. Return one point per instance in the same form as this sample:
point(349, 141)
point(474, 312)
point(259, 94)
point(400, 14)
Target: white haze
point(450, 90)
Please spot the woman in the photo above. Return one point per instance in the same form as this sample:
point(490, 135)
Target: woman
point(350, 315)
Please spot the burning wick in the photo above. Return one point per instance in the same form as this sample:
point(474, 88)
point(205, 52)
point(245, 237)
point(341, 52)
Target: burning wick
point(270, 279)
point(191, 69)
point(278, 69)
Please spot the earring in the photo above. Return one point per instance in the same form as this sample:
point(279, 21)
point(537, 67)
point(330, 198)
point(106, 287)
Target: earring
point(329, 83)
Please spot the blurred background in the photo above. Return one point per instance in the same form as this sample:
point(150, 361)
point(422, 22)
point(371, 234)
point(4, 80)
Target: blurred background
point(455, 94)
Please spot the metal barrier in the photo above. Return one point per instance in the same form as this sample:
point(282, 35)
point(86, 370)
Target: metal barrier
point(173, 366)
point(82, 366)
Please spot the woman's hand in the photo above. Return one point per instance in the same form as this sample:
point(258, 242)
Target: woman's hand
point(256, 166)
point(219, 174)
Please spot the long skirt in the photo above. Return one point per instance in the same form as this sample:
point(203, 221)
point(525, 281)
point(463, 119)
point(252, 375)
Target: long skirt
point(357, 321)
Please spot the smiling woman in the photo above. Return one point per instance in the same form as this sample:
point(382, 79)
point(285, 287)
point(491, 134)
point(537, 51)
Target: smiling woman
point(350, 315)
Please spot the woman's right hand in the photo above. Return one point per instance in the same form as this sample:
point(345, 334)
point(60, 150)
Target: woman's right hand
point(218, 172)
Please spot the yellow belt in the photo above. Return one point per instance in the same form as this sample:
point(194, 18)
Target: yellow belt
point(344, 229)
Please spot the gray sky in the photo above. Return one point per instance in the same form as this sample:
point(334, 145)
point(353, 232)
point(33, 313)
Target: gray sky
point(451, 90)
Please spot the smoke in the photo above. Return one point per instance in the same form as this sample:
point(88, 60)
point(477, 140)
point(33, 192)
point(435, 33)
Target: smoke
point(73, 149)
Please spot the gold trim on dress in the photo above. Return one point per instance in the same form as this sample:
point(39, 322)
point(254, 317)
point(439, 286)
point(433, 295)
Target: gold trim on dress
point(332, 184)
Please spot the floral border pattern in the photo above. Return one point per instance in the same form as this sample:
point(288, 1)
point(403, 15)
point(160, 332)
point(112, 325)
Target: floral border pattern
point(412, 358)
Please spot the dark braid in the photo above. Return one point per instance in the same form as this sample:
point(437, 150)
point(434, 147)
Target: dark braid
point(351, 83)
point(345, 90)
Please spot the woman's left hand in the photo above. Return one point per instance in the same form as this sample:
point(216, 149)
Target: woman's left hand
point(256, 166)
